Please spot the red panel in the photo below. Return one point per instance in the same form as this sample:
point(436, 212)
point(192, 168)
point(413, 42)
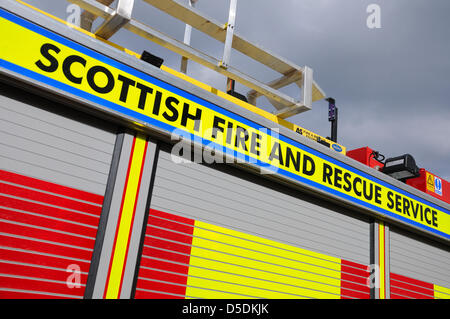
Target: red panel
point(163, 276)
point(395, 296)
point(48, 222)
point(42, 234)
point(353, 278)
point(37, 246)
point(48, 211)
point(348, 293)
point(50, 236)
point(40, 260)
point(167, 234)
point(172, 217)
point(50, 187)
point(49, 199)
point(159, 243)
point(37, 272)
point(354, 271)
point(353, 294)
point(163, 265)
point(363, 155)
point(410, 294)
point(30, 295)
point(140, 294)
point(160, 286)
point(154, 252)
point(411, 281)
point(421, 290)
point(353, 286)
point(40, 285)
point(154, 221)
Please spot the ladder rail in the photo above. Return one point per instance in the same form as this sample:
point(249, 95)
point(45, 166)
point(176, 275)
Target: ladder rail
point(285, 105)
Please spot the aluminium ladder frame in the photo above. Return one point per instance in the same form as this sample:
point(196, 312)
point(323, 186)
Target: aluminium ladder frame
point(121, 17)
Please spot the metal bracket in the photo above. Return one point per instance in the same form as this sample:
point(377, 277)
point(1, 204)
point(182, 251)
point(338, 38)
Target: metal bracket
point(114, 23)
point(307, 96)
point(229, 37)
point(291, 73)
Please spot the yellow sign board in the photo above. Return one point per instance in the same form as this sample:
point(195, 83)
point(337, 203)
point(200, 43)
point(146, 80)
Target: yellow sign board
point(48, 58)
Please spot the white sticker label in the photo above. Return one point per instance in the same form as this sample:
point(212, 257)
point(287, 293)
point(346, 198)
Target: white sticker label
point(438, 185)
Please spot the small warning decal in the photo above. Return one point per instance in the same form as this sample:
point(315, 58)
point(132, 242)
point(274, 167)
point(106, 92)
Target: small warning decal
point(430, 182)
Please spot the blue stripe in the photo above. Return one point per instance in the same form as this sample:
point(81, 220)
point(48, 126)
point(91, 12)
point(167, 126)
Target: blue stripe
point(207, 104)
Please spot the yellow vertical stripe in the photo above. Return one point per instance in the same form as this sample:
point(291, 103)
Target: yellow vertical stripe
point(126, 217)
point(381, 260)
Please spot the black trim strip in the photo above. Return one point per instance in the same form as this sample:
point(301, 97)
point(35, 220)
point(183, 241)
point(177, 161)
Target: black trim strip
point(95, 260)
point(144, 224)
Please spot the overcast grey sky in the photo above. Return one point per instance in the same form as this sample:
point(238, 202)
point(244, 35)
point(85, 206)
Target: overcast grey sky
point(391, 85)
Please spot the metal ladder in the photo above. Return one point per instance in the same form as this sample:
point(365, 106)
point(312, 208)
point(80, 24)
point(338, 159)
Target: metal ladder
point(121, 17)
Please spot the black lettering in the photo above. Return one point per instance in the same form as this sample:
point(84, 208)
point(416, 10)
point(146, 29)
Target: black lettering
point(434, 218)
point(357, 180)
point(367, 195)
point(143, 96)
point(229, 132)
point(217, 120)
point(312, 166)
point(348, 183)
point(398, 203)
point(126, 83)
point(241, 137)
point(327, 172)
point(187, 116)
point(45, 51)
point(254, 143)
point(275, 153)
point(390, 204)
point(91, 76)
point(157, 103)
point(415, 210)
point(427, 211)
point(169, 104)
point(337, 177)
point(377, 194)
point(66, 68)
point(290, 157)
point(406, 205)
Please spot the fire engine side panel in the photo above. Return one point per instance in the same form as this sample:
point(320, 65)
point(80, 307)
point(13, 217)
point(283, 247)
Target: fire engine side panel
point(234, 220)
point(54, 164)
point(417, 266)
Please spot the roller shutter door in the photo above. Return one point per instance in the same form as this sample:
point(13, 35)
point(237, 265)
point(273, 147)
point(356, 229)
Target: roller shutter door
point(54, 165)
point(215, 231)
point(420, 268)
